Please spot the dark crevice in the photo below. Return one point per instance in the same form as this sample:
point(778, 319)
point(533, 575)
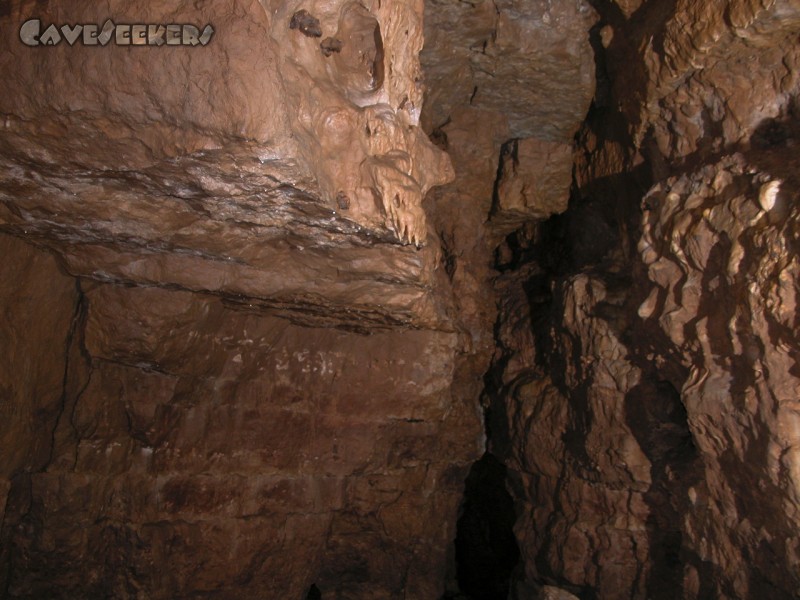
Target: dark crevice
point(658, 420)
point(18, 506)
point(75, 353)
point(486, 549)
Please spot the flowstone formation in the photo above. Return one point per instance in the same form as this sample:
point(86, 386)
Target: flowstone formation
point(223, 167)
point(358, 124)
point(645, 385)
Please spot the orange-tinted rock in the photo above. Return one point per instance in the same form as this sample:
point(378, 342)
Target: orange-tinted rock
point(648, 338)
point(725, 295)
point(272, 370)
point(252, 456)
point(225, 167)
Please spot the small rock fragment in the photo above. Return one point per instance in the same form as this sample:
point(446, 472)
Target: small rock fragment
point(606, 36)
point(330, 45)
point(768, 193)
point(343, 201)
point(306, 23)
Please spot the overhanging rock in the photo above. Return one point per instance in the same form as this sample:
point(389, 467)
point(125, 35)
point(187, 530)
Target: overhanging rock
point(269, 165)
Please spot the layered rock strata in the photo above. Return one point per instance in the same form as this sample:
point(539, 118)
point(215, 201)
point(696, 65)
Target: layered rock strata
point(177, 447)
point(257, 165)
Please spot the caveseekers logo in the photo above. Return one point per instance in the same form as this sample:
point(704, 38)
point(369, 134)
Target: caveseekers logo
point(31, 34)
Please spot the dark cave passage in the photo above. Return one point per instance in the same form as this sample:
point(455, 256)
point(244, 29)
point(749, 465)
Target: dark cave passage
point(486, 549)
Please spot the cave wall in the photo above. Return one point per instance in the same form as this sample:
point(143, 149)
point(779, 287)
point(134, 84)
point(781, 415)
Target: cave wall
point(232, 365)
point(201, 450)
point(38, 324)
point(254, 166)
point(252, 332)
point(647, 374)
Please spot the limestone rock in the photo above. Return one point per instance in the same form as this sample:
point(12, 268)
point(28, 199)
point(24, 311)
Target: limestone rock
point(578, 463)
point(712, 74)
point(725, 287)
point(207, 167)
point(533, 182)
point(644, 391)
point(252, 456)
point(550, 592)
point(530, 61)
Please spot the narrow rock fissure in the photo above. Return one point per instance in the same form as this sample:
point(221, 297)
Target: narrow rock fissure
point(486, 550)
point(658, 420)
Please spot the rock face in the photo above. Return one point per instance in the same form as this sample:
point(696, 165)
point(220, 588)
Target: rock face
point(252, 456)
point(721, 250)
point(647, 368)
point(244, 378)
point(38, 324)
point(139, 165)
point(527, 60)
point(252, 315)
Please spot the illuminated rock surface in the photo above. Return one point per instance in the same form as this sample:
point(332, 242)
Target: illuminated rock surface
point(258, 292)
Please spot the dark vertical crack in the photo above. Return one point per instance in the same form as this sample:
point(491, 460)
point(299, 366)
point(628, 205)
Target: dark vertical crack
point(18, 505)
point(20, 502)
point(74, 349)
point(486, 549)
point(658, 420)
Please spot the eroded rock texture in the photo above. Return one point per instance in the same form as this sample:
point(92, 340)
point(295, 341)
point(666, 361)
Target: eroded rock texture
point(721, 249)
point(253, 166)
point(647, 370)
point(257, 382)
point(252, 315)
point(494, 71)
point(201, 450)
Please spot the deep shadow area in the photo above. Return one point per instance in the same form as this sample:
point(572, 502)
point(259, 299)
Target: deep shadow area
point(486, 549)
point(658, 420)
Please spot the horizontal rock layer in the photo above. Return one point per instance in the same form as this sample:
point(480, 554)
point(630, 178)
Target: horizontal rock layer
point(255, 166)
point(252, 456)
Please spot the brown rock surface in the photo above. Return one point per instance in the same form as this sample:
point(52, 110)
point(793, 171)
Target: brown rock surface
point(265, 386)
point(725, 294)
point(268, 377)
point(252, 456)
point(533, 182)
point(37, 325)
point(528, 60)
point(648, 340)
point(140, 165)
